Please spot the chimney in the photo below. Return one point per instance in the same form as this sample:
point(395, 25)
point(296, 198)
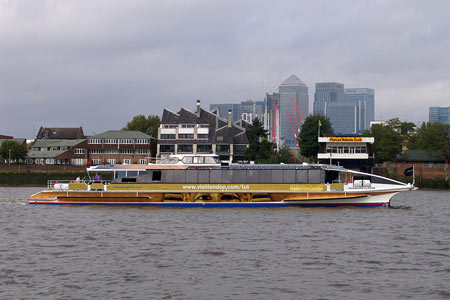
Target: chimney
point(229, 118)
point(198, 108)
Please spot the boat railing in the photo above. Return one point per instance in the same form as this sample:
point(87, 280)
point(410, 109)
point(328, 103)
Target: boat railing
point(64, 184)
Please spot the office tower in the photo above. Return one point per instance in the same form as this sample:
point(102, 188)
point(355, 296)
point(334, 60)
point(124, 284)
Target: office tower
point(222, 110)
point(343, 117)
point(364, 100)
point(325, 93)
point(439, 114)
point(294, 108)
point(272, 105)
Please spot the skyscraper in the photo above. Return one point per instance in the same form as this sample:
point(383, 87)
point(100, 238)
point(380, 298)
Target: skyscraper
point(325, 93)
point(364, 99)
point(294, 108)
point(439, 114)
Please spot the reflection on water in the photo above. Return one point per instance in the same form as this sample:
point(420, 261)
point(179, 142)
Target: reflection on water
point(86, 252)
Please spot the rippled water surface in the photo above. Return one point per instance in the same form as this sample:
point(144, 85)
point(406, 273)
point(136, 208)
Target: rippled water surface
point(88, 252)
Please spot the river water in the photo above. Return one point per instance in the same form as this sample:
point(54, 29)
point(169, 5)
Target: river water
point(88, 252)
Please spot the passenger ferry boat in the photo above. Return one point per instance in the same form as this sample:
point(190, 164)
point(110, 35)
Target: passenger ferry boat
point(201, 181)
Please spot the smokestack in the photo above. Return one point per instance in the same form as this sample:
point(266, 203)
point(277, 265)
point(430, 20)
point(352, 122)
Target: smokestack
point(198, 108)
point(229, 118)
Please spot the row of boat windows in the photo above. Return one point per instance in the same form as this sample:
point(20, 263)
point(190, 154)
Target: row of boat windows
point(346, 149)
point(234, 176)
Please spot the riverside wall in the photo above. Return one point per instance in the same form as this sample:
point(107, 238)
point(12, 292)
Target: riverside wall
point(31, 175)
point(427, 175)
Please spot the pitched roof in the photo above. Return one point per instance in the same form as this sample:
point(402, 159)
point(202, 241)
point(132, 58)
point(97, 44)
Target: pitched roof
point(43, 143)
point(60, 133)
point(121, 134)
point(293, 80)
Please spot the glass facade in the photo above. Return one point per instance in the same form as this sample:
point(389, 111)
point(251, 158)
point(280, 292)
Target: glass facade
point(439, 114)
point(325, 93)
point(364, 99)
point(293, 109)
point(343, 117)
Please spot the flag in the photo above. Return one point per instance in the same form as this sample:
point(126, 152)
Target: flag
point(409, 171)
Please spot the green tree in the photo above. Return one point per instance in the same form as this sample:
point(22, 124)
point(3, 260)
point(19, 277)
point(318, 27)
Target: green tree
point(260, 150)
point(434, 137)
point(147, 125)
point(308, 139)
point(388, 140)
point(18, 150)
point(285, 156)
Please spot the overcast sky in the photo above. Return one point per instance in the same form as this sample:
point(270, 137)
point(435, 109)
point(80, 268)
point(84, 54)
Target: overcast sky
point(98, 63)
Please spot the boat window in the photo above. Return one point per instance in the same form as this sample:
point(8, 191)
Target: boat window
point(187, 159)
point(121, 174)
point(132, 173)
point(167, 176)
point(314, 176)
point(227, 176)
point(301, 176)
point(156, 176)
point(199, 160)
point(289, 176)
point(192, 176)
point(126, 179)
point(263, 176)
point(240, 176)
point(203, 176)
point(252, 176)
point(142, 172)
point(331, 176)
point(215, 176)
point(179, 176)
point(277, 176)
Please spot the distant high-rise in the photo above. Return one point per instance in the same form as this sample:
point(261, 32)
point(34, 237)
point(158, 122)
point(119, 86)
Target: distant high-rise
point(440, 114)
point(247, 110)
point(364, 99)
point(325, 93)
point(294, 108)
point(343, 117)
point(272, 105)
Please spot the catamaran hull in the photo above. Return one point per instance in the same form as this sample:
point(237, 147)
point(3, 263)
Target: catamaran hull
point(375, 200)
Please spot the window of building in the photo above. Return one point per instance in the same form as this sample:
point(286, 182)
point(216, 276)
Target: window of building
point(96, 161)
point(204, 148)
point(94, 141)
point(55, 149)
point(95, 151)
point(142, 141)
point(126, 141)
point(239, 148)
point(185, 148)
point(50, 161)
point(111, 151)
point(142, 151)
point(126, 151)
point(111, 141)
point(185, 136)
point(223, 148)
point(79, 151)
point(203, 125)
point(168, 136)
point(111, 161)
point(167, 148)
point(202, 136)
point(78, 162)
point(127, 161)
point(143, 161)
point(187, 125)
point(169, 126)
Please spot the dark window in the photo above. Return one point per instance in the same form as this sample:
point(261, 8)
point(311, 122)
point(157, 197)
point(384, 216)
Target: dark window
point(185, 136)
point(167, 136)
point(185, 148)
point(202, 136)
point(204, 148)
point(223, 148)
point(156, 176)
point(167, 148)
